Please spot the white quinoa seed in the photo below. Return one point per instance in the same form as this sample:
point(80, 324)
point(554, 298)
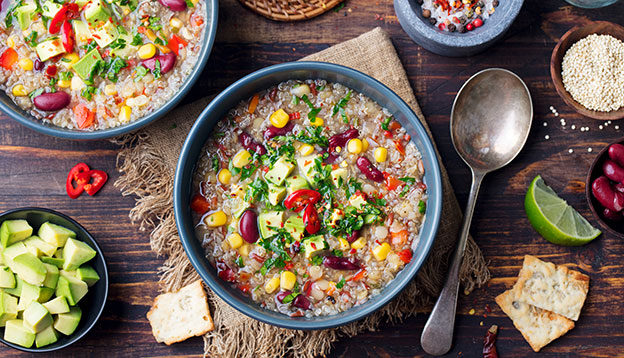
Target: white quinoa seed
point(573, 126)
point(570, 150)
point(593, 72)
point(547, 137)
point(545, 124)
point(589, 149)
point(617, 127)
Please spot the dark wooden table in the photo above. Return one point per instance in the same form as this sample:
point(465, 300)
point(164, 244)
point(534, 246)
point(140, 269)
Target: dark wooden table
point(33, 170)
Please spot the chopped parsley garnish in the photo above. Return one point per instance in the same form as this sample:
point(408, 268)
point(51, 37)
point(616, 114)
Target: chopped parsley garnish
point(337, 253)
point(340, 107)
point(352, 187)
point(156, 72)
point(286, 149)
point(35, 93)
point(136, 40)
point(275, 243)
point(409, 181)
point(258, 190)
point(320, 88)
point(316, 260)
point(239, 261)
point(90, 46)
point(341, 283)
point(189, 3)
point(154, 23)
point(215, 162)
point(313, 135)
point(32, 39)
point(313, 110)
point(386, 123)
point(66, 76)
point(8, 19)
point(112, 68)
point(118, 44)
point(141, 71)
point(422, 207)
point(88, 92)
point(160, 41)
point(53, 82)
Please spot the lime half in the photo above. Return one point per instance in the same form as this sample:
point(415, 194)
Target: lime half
point(554, 219)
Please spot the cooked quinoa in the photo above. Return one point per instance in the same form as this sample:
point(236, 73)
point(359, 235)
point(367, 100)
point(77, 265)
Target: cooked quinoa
point(97, 64)
point(593, 72)
point(309, 198)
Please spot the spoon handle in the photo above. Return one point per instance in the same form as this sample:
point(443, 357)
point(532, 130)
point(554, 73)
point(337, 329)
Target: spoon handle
point(437, 336)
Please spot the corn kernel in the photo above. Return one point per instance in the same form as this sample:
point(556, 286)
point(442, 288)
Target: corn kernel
point(354, 146)
point(287, 280)
point(146, 51)
point(241, 159)
point(19, 90)
point(279, 118)
point(77, 84)
point(70, 59)
point(25, 63)
point(364, 145)
point(11, 42)
point(244, 250)
point(218, 218)
point(64, 83)
point(224, 176)
point(381, 154)
point(381, 252)
point(176, 24)
point(478, 10)
point(235, 240)
point(318, 121)
point(124, 114)
point(344, 244)
point(338, 149)
point(306, 149)
point(359, 243)
point(272, 285)
point(110, 89)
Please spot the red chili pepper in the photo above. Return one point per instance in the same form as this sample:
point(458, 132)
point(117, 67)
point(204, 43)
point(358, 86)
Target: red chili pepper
point(75, 191)
point(67, 12)
point(174, 44)
point(51, 70)
point(68, 37)
point(392, 182)
point(311, 220)
point(93, 180)
point(405, 255)
point(289, 265)
point(359, 275)
point(300, 198)
point(294, 115)
point(307, 288)
point(257, 257)
point(313, 89)
point(199, 204)
point(489, 343)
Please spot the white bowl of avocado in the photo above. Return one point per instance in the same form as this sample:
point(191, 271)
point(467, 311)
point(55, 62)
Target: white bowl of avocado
point(53, 280)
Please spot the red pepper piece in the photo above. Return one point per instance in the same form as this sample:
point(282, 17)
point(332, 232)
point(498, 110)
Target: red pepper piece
point(67, 12)
point(199, 204)
point(405, 255)
point(93, 180)
point(311, 219)
point(300, 198)
point(174, 44)
point(68, 37)
point(75, 191)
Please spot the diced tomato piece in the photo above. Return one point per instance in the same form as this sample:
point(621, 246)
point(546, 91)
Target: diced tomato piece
point(175, 42)
point(392, 182)
point(8, 58)
point(84, 116)
point(405, 255)
point(199, 204)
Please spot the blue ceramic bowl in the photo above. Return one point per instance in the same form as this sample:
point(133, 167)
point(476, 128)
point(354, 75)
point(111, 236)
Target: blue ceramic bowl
point(15, 112)
point(455, 44)
point(262, 80)
point(92, 305)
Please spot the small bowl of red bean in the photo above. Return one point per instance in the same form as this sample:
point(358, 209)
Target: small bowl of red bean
point(604, 187)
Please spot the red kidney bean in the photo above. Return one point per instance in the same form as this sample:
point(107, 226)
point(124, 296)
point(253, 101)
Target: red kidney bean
point(613, 171)
point(340, 263)
point(340, 140)
point(52, 101)
point(367, 168)
point(273, 131)
point(353, 236)
point(281, 295)
point(167, 61)
point(302, 302)
point(619, 187)
point(612, 215)
point(38, 65)
point(616, 153)
point(619, 201)
point(250, 144)
point(174, 5)
point(224, 272)
point(604, 193)
point(248, 226)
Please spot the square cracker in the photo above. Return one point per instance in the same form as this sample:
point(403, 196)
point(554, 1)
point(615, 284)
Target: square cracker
point(552, 288)
point(177, 316)
point(538, 327)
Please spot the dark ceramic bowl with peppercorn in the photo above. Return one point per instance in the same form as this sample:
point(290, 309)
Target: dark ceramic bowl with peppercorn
point(194, 148)
point(604, 187)
point(456, 28)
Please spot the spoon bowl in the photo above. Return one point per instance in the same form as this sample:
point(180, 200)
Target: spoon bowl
point(490, 122)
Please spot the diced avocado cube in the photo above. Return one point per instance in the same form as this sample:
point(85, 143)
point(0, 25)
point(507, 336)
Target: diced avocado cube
point(41, 247)
point(15, 332)
point(30, 269)
point(48, 49)
point(76, 253)
point(126, 50)
point(307, 169)
point(7, 278)
point(12, 231)
point(295, 226)
point(8, 308)
point(82, 3)
point(17, 291)
point(87, 274)
point(357, 201)
point(52, 276)
point(52, 261)
point(50, 9)
point(45, 294)
point(72, 288)
point(29, 294)
point(24, 15)
point(276, 194)
point(314, 245)
point(67, 323)
point(96, 11)
point(57, 305)
point(9, 253)
point(55, 234)
point(82, 33)
point(239, 208)
point(105, 34)
point(296, 182)
point(270, 219)
point(86, 64)
point(336, 215)
point(281, 170)
point(46, 337)
point(36, 317)
point(339, 176)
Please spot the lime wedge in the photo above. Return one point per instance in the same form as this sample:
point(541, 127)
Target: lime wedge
point(554, 219)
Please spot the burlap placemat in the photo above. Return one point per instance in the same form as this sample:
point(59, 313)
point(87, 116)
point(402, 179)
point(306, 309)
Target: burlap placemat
point(147, 162)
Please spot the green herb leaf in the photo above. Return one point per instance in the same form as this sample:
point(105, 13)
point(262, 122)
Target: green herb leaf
point(422, 207)
point(141, 71)
point(35, 93)
point(156, 71)
point(291, 297)
point(239, 261)
point(385, 123)
point(31, 39)
point(316, 260)
point(136, 40)
point(154, 23)
point(337, 253)
point(340, 107)
point(341, 283)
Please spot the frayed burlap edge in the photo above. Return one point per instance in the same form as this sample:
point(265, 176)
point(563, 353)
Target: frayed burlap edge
point(148, 174)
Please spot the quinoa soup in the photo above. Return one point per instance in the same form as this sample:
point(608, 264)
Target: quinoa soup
point(97, 64)
point(309, 198)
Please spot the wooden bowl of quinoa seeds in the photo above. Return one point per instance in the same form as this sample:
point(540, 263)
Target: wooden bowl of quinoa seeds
point(587, 69)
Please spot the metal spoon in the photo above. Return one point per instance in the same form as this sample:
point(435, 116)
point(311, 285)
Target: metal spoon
point(490, 123)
